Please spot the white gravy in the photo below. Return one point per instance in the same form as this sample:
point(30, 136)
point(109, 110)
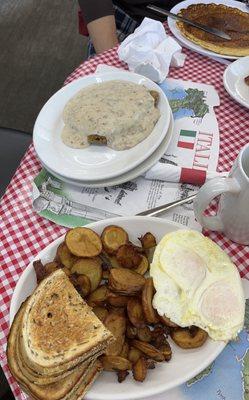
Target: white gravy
point(123, 112)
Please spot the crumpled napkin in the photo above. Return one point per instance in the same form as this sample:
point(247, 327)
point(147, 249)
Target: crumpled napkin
point(149, 51)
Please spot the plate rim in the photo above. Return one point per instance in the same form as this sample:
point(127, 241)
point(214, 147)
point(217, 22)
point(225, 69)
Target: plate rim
point(194, 46)
point(121, 395)
point(93, 79)
point(124, 177)
point(238, 99)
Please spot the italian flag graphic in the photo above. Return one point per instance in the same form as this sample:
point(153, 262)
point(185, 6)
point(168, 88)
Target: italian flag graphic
point(186, 139)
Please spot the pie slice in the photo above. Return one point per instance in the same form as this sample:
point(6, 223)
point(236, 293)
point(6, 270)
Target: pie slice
point(230, 20)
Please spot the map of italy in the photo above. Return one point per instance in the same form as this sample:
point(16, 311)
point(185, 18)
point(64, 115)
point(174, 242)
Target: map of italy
point(185, 102)
point(227, 378)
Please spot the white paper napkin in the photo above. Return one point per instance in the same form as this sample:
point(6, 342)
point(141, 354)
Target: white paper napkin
point(172, 173)
point(149, 51)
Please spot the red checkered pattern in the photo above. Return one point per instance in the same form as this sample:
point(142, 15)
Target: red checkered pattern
point(24, 233)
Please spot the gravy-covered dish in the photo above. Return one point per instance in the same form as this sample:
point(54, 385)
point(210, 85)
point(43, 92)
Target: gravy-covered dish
point(116, 113)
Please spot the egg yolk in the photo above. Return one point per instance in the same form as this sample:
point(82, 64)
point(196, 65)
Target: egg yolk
point(184, 266)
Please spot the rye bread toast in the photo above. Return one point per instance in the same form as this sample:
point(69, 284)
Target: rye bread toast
point(59, 328)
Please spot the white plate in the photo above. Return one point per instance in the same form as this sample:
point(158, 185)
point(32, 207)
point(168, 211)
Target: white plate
point(93, 162)
point(186, 42)
point(130, 175)
point(234, 83)
point(185, 364)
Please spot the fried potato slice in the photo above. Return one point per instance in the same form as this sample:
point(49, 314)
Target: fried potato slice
point(66, 271)
point(51, 267)
point(143, 266)
point(134, 354)
point(64, 256)
point(125, 350)
point(100, 312)
point(150, 254)
point(117, 310)
point(115, 348)
point(160, 330)
point(117, 300)
point(105, 274)
point(147, 240)
point(122, 375)
point(109, 261)
point(84, 284)
point(98, 296)
point(105, 258)
point(131, 332)
point(113, 237)
point(155, 96)
point(125, 281)
point(90, 267)
point(147, 296)
point(115, 363)
point(187, 339)
point(158, 336)
point(83, 242)
point(139, 249)
point(148, 350)
point(144, 334)
point(40, 270)
point(116, 324)
point(114, 262)
point(97, 139)
point(167, 322)
point(128, 257)
point(135, 313)
point(139, 369)
point(166, 350)
point(151, 364)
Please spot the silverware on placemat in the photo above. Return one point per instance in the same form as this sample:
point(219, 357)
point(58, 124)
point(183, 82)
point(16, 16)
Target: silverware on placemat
point(165, 207)
point(205, 28)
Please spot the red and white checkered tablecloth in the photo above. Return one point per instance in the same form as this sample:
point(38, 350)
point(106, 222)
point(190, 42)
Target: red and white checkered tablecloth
point(24, 233)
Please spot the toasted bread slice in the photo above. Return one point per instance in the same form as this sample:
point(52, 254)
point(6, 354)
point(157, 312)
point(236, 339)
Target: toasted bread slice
point(92, 374)
point(76, 393)
point(80, 389)
point(64, 388)
point(49, 375)
point(41, 379)
point(32, 376)
point(59, 329)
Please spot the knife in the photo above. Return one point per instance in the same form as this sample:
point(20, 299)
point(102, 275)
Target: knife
point(205, 28)
point(165, 207)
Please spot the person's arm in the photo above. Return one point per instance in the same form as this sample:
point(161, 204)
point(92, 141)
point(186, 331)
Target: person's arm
point(103, 34)
point(99, 17)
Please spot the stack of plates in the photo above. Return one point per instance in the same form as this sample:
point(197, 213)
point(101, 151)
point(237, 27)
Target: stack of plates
point(98, 166)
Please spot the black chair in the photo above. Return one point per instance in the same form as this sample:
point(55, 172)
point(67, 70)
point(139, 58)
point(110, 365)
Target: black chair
point(12, 148)
point(13, 145)
point(5, 392)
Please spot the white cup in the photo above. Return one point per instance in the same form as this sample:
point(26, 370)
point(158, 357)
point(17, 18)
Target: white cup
point(233, 211)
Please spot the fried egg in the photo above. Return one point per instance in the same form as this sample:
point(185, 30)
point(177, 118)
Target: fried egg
point(197, 284)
